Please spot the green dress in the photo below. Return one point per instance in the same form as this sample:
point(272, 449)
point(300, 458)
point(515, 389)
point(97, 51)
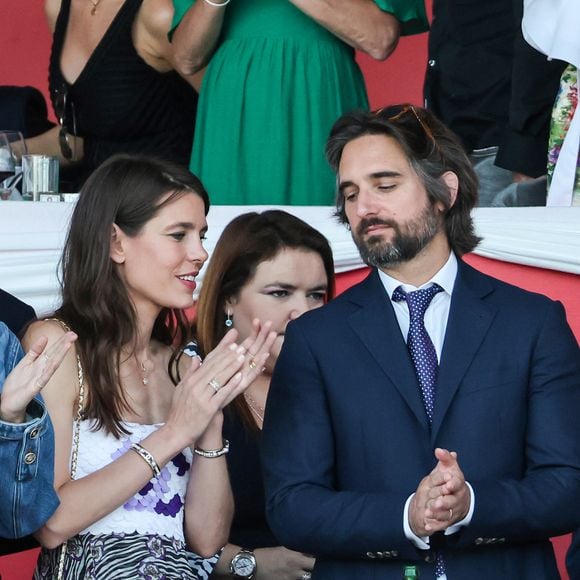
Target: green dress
point(271, 93)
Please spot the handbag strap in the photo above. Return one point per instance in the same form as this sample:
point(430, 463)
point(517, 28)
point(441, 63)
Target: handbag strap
point(77, 423)
point(76, 439)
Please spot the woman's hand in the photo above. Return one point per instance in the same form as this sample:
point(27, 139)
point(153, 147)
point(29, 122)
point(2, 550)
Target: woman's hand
point(30, 376)
point(282, 564)
point(260, 341)
point(225, 373)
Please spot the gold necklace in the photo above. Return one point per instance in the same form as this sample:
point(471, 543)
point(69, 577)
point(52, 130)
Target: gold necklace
point(95, 3)
point(254, 407)
point(145, 372)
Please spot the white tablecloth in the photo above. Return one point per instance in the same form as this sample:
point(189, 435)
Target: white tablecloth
point(32, 236)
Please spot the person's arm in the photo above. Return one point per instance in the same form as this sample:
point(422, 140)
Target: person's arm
point(152, 41)
point(51, 10)
point(209, 505)
point(27, 477)
point(195, 35)
point(195, 405)
point(546, 500)
point(359, 23)
point(277, 563)
point(305, 510)
point(535, 82)
point(443, 501)
point(48, 143)
point(27, 495)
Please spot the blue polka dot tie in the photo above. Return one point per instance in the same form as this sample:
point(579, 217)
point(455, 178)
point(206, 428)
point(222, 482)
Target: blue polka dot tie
point(419, 342)
point(424, 357)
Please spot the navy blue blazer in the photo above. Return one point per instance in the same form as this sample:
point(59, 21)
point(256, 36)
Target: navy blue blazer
point(346, 440)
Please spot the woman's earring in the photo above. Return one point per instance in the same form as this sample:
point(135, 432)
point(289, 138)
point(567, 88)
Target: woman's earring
point(229, 322)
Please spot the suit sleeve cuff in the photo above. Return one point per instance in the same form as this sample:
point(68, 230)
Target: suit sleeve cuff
point(420, 542)
point(526, 154)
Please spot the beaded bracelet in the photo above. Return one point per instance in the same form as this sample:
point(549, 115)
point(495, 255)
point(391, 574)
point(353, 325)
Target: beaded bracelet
point(217, 4)
point(147, 457)
point(212, 453)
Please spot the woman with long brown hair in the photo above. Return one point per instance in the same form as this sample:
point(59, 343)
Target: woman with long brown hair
point(272, 266)
point(139, 468)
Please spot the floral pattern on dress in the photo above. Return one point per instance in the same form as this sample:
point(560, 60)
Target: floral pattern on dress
point(153, 495)
point(562, 113)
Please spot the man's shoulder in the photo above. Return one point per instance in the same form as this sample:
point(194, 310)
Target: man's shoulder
point(503, 294)
point(346, 302)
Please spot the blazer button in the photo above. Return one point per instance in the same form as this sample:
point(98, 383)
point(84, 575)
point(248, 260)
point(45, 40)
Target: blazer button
point(34, 433)
point(29, 458)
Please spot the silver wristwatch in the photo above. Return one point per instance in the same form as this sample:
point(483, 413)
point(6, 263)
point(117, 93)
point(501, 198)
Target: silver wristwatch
point(243, 565)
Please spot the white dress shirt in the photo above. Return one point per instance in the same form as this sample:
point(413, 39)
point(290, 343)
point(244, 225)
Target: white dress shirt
point(435, 320)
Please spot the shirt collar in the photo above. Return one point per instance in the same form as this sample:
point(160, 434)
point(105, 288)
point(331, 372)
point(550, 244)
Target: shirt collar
point(445, 277)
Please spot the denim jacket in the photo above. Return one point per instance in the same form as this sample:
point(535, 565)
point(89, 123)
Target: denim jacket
point(27, 496)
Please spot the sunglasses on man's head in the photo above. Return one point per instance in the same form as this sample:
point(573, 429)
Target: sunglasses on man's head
point(405, 109)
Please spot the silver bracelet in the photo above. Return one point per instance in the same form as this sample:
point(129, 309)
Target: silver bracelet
point(147, 457)
point(212, 453)
point(217, 4)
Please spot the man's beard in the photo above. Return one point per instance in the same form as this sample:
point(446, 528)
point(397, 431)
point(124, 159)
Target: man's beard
point(405, 245)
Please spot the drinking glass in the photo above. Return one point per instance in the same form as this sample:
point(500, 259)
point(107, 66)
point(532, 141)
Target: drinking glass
point(12, 148)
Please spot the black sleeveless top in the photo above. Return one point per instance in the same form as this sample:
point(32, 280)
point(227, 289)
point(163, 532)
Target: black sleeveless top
point(121, 104)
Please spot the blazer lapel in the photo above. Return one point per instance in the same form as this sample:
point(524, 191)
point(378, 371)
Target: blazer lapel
point(376, 326)
point(469, 321)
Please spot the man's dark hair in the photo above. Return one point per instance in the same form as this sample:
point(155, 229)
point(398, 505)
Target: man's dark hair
point(431, 149)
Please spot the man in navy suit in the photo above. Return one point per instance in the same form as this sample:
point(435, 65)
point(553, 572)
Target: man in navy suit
point(451, 444)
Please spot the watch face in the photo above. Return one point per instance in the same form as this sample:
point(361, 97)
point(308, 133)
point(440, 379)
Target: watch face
point(244, 565)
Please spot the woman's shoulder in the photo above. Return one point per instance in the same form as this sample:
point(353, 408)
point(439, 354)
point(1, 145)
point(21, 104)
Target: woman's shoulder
point(51, 328)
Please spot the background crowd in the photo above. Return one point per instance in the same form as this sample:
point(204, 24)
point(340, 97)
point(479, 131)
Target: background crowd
point(273, 100)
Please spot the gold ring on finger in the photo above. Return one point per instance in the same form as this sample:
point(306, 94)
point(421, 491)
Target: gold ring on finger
point(215, 384)
point(252, 363)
